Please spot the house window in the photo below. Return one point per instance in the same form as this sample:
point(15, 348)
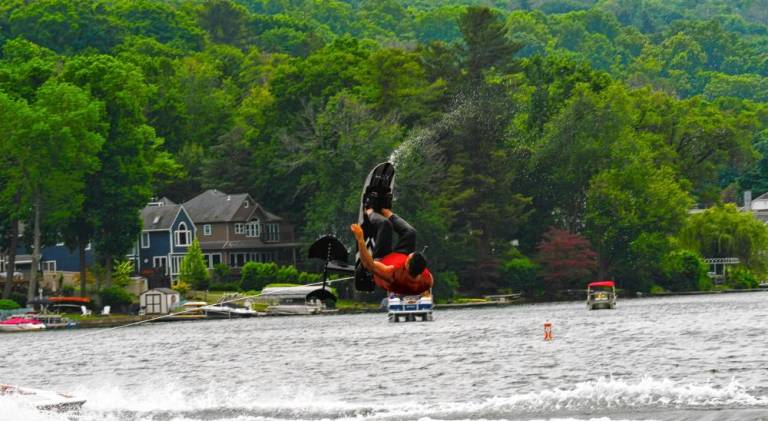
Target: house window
point(2, 266)
point(145, 240)
point(176, 264)
point(49, 266)
point(183, 235)
point(238, 228)
point(160, 262)
point(253, 229)
point(238, 260)
point(273, 232)
point(212, 259)
point(264, 256)
point(207, 229)
point(247, 203)
point(88, 246)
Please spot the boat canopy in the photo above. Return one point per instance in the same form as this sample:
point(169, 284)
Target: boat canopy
point(601, 284)
point(303, 292)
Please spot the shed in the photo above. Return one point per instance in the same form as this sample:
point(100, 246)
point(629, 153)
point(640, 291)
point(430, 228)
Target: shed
point(158, 300)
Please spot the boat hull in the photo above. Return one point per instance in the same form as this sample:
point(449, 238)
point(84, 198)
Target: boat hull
point(43, 400)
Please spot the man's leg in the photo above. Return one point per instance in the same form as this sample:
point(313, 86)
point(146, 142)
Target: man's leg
point(382, 237)
point(382, 245)
point(406, 235)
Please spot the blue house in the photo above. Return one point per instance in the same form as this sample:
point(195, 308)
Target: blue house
point(166, 235)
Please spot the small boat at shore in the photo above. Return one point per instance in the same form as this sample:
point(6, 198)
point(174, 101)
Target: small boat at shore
point(226, 312)
point(21, 324)
point(43, 400)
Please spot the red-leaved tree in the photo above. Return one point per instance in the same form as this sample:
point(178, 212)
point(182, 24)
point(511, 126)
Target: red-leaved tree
point(567, 260)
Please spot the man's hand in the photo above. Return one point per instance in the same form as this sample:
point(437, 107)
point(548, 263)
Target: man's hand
point(386, 212)
point(358, 231)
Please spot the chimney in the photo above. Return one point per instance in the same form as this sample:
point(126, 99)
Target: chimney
point(748, 200)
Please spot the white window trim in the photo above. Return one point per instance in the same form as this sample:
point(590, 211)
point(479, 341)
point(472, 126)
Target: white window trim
point(253, 229)
point(239, 229)
point(178, 233)
point(145, 245)
point(175, 266)
point(207, 229)
point(47, 266)
point(273, 232)
point(160, 259)
point(208, 257)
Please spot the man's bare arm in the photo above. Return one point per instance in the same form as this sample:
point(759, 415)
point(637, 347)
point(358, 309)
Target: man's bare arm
point(366, 259)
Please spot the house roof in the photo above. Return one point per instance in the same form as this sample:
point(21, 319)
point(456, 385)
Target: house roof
point(763, 196)
point(216, 206)
point(159, 217)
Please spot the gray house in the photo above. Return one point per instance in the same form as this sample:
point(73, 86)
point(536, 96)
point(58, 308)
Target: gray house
point(233, 229)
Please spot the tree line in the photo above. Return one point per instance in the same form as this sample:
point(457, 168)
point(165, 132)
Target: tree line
point(536, 147)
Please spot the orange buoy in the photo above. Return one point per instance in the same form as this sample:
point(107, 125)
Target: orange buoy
point(547, 331)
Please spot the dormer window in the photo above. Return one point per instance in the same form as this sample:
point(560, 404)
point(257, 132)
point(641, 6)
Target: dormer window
point(156, 220)
point(247, 203)
point(183, 235)
point(253, 229)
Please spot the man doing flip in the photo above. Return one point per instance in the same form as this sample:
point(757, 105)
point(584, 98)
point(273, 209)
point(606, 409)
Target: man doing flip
point(399, 269)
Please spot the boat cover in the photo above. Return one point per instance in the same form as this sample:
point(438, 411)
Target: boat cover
point(601, 284)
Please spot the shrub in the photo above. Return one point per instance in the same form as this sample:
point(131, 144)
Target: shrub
point(19, 298)
point(115, 296)
point(220, 273)
point(68, 290)
point(741, 278)
point(446, 284)
point(181, 287)
point(256, 275)
point(9, 305)
point(287, 274)
point(683, 270)
point(521, 274)
point(121, 275)
point(309, 278)
point(655, 289)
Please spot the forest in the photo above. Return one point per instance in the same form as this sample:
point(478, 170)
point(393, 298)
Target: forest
point(539, 144)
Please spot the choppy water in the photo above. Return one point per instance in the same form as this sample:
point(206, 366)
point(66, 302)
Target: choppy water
point(678, 358)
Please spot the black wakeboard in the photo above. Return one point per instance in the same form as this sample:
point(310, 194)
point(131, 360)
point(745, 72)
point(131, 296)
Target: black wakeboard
point(377, 193)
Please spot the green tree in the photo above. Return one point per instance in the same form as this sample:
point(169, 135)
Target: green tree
point(49, 148)
point(485, 38)
point(624, 207)
point(130, 157)
point(193, 270)
point(224, 20)
point(724, 231)
point(684, 270)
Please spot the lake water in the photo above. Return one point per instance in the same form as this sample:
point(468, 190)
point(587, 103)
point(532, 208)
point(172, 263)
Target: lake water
point(674, 358)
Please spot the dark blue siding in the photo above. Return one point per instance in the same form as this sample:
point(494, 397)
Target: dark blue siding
point(182, 217)
point(66, 260)
point(158, 246)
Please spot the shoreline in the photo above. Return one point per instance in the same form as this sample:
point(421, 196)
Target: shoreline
point(116, 321)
